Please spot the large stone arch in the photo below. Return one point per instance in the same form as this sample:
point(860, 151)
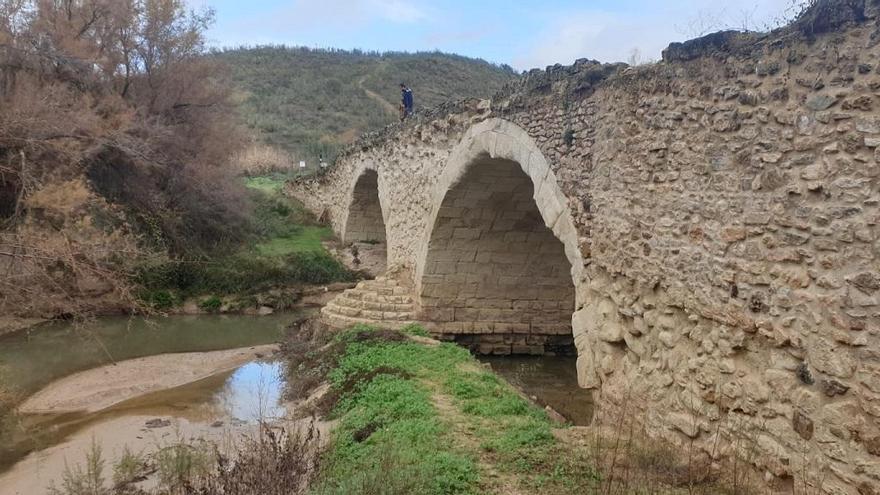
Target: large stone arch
point(499, 265)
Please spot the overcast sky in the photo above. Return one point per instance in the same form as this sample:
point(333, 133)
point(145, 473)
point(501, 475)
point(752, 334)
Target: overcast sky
point(523, 34)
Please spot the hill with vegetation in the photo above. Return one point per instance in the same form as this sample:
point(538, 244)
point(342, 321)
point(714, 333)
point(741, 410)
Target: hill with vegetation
point(313, 101)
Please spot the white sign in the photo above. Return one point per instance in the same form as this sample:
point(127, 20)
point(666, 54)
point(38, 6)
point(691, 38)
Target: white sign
point(302, 164)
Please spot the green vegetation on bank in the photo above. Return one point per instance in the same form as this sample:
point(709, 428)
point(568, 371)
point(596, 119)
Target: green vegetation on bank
point(284, 248)
point(429, 419)
point(310, 101)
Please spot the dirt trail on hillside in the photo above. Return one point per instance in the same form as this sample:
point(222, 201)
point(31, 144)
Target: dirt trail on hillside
point(100, 388)
point(389, 108)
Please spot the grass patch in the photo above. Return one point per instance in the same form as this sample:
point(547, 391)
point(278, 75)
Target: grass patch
point(383, 389)
point(390, 439)
point(306, 239)
point(285, 249)
point(270, 184)
point(211, 304)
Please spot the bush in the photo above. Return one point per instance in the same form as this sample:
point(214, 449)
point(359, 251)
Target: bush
point(160, 299)
point(238, 274)
point(211, 304)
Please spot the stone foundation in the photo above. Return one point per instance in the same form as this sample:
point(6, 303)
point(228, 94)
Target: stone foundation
point(508, 344)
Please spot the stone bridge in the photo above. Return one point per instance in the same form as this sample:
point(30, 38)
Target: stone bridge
point(702, 232)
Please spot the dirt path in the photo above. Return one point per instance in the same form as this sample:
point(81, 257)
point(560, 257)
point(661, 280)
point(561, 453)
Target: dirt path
point(389, 108)
point(100, 388)
point(493, 481)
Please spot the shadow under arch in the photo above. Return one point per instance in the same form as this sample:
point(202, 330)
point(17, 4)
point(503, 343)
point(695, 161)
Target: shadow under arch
point(499, 267)
point(365, 224)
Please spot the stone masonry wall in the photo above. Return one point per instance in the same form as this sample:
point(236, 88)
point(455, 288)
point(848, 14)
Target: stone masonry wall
point(719, 214)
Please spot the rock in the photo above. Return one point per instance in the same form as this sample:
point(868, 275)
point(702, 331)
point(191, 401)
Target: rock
point(872, 445)
point(866, 281)
point(802, 424)
point(586, 370)
point(554, 415)
point(669, 339)
point(832, 387)
point(816, 171)
point(687, 424)
point(869, 126)
point(821, 102)
point(157, 423)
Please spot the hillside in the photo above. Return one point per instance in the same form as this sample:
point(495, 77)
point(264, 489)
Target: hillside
point(309, 101)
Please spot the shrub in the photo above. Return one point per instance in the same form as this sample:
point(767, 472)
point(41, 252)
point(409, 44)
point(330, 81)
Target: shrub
point(240, 273)
point(211, 304)
point(83, 480)
point(160, 299)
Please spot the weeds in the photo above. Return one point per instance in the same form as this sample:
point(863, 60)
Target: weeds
point(178, 464)
point(131, 467)
point(280, 462)
point(84, 480)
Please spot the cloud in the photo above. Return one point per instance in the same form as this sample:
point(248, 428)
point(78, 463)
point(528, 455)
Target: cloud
point(397, 10)
point(611, 36)
point(338, 14)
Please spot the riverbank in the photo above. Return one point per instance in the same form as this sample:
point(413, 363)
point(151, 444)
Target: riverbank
point(100, 388)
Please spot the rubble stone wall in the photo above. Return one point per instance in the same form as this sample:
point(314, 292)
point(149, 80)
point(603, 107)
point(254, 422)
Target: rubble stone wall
point(718, 215)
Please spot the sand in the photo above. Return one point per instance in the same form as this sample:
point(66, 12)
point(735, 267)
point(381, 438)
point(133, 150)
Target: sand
point(33, 474)
point(100, 388)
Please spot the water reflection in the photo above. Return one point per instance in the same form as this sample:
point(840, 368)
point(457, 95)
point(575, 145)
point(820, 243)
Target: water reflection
point(552, 380)
point(253, 392)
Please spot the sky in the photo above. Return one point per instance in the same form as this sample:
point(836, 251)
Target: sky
point(523, 34)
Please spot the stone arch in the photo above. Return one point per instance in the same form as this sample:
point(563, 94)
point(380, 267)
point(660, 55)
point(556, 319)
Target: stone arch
point(364, 229)
point(365, 221)
point(500, 267)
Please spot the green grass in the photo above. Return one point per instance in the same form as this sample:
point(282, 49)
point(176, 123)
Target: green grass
point(268, 184)
point(385, 386)
point(306, 239)
point(391, 438)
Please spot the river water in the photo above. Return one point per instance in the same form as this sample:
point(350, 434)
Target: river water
point(32, 359)
point(549, 381)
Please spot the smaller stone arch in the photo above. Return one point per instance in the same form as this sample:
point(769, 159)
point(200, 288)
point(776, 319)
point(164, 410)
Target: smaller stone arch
point(364, 229)
point(365, 221)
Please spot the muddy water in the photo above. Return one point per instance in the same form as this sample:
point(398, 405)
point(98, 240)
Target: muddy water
point(550, 381)
point(31, 360)
point(219, 409)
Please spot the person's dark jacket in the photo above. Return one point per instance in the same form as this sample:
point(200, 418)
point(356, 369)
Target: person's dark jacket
point(407, 98)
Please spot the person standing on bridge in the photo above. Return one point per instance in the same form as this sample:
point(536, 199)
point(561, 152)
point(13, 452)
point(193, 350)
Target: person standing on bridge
point(406, 102)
